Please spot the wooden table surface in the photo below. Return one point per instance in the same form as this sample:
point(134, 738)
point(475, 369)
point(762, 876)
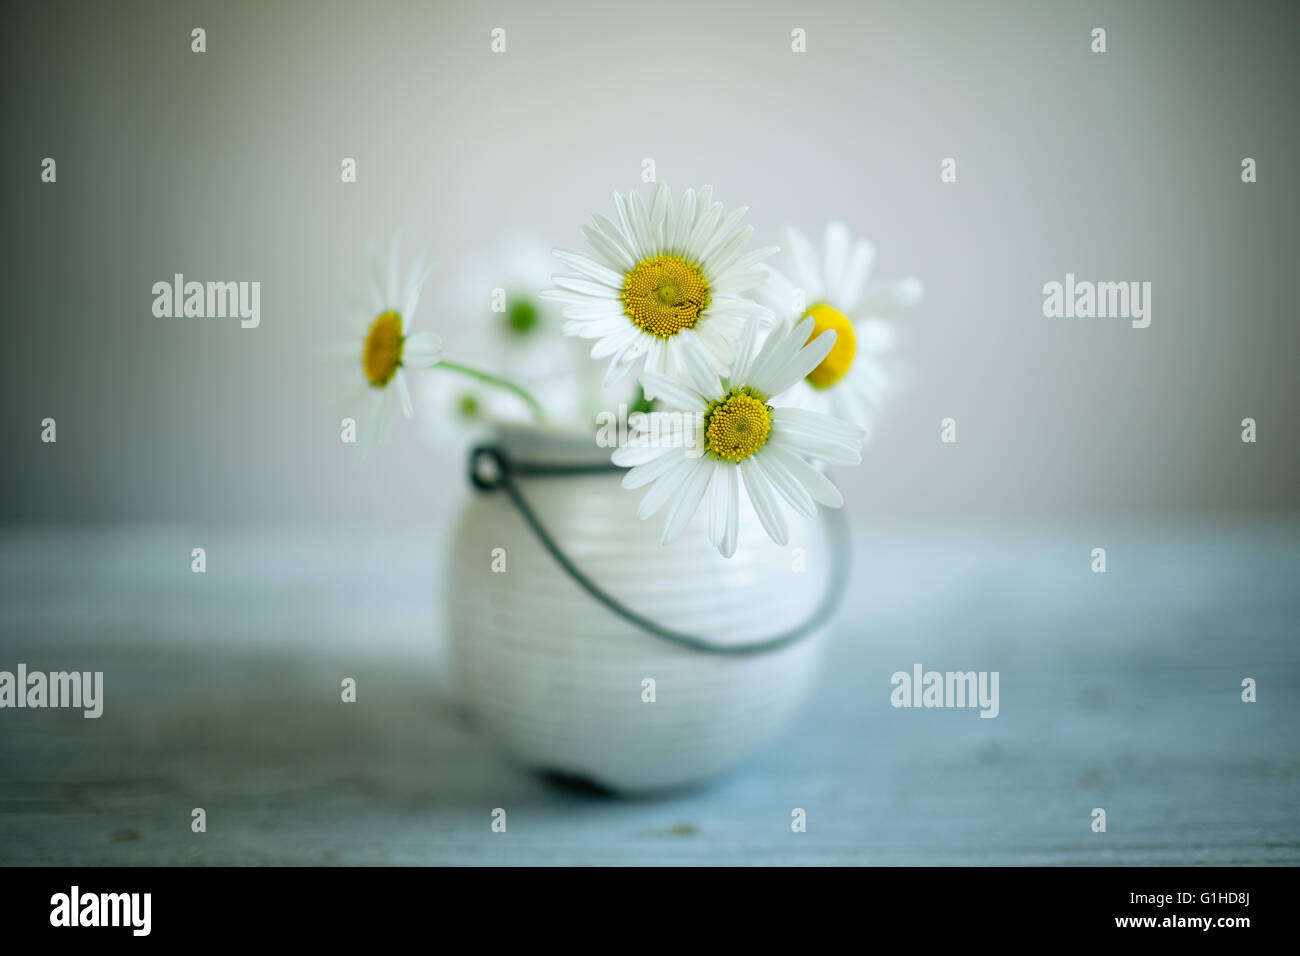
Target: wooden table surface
point(1119, 690)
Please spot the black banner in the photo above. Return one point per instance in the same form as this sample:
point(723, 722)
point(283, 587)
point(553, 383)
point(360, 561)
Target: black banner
point(1154, 906)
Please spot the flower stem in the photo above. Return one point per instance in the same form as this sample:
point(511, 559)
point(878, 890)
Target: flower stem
point(534, 406)
point(642, 404)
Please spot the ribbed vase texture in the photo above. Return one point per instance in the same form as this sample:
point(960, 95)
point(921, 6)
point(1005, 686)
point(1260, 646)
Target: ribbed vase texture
point(559, 680)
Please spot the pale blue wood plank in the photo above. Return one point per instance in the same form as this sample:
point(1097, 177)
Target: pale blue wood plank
point(1117, 691)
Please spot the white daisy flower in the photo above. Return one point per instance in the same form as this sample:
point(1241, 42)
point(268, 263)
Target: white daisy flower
point(504, 323)
point(388, 347)
point(663, 286)
point(854, 380)
point(738, 438)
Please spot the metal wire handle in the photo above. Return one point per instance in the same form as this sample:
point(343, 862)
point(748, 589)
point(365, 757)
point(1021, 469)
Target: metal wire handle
point(490, 469)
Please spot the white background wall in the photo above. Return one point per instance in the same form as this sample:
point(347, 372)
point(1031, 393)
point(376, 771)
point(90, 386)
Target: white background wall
point(1123, 166)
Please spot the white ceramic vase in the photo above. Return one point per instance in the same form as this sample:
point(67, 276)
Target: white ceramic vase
point(560, 680)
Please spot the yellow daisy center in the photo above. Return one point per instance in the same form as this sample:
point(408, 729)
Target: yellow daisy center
point(737, 425)
point(836, 364)
point(665, 294)
point(383, 352)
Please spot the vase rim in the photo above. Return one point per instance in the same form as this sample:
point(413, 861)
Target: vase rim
point(550, 443)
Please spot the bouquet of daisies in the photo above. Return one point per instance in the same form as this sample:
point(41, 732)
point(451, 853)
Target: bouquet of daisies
point(776, 374)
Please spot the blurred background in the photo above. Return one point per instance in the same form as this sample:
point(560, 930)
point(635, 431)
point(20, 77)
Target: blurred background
point(1119, 690)
point(226, 165)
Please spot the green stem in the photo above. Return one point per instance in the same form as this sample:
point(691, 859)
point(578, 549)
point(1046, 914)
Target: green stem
point(642, 404)
point(539, 413)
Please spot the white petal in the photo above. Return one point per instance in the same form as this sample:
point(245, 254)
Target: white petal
point(823, 449)
point(807, 275)
point(616, 237)
point(716, 335)
point(688, 500)
point(703, 230)
point(615, 342)
point(664, 488)
point(616, 257)
point(784, 482)
point(630, 456)
point(763, 497)
point(697, 360)
point(775, 293)
point(593, 310)
point(620, 365)
point(781, 348)
point(732, 533)
point(640, 218)
point(777, 380)
point(726, 236)
point(873, 336)
point(654, 359)
point(890, 299)
point(818, 485)
point(672, 392)
point(641, 475)
point(745, 352)
point(404, 393)
point(703, 199)
point(637, 451)
point(739, 309)
point(736, 281)
point(908, 291)
point(422, 350)
point(855, 275)
point(590, 268)
point(415, 280)
point(747, 262)
point(719, 263)
point(685, 222)
point(722, 501)
point(659, 204)
point(816, 424)
point(854, 400)
point(834, 257)
point(625, 227)
point(586, 287)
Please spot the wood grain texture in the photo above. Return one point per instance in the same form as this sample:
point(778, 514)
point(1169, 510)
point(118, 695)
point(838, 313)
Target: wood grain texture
point(1119, 691)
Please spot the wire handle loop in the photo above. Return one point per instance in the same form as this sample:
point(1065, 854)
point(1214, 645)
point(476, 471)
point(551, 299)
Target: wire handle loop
point(490, 469)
